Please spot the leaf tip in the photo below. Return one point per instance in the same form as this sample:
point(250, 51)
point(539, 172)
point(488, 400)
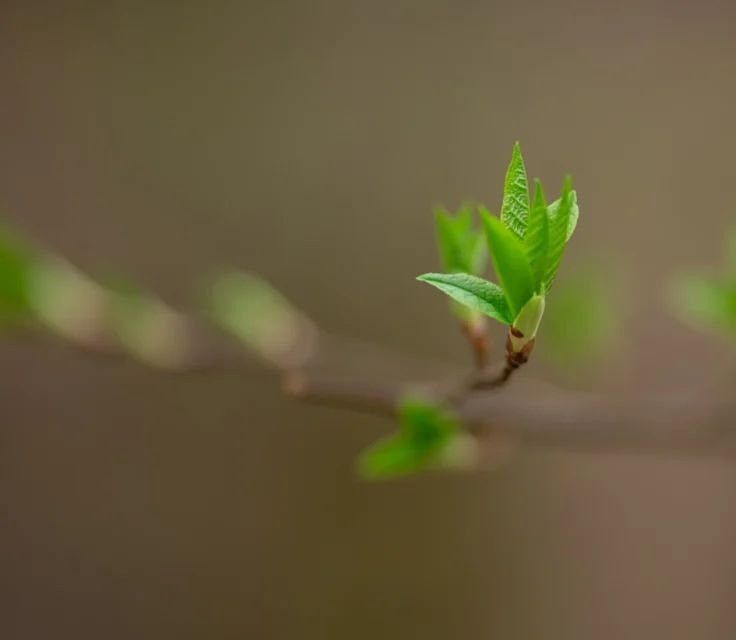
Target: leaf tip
point(539, 197)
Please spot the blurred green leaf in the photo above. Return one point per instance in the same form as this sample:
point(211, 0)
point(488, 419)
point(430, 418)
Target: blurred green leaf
point(559, 224)
point(429, 438)
point(509, 257)
point(67, 301)
point(461, 245)
point(706, 301)
point(147, 328)
point(249, 308)
point(17, 262)
point(515, 206)
point(580, 319)
point(537, 238)
point(476, 293)
point(393, 456)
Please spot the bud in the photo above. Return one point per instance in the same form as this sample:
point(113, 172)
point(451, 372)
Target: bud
point(525, 327)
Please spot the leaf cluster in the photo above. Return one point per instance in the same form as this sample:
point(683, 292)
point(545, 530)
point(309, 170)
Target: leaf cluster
point(526, 244)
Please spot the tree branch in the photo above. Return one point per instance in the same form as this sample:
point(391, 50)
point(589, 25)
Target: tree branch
point(552, 417)
point(94, 319)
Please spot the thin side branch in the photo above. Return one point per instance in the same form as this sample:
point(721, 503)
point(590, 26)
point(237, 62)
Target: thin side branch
point(554, 417)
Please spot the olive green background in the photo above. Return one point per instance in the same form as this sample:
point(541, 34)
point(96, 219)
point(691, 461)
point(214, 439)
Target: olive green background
point(309, 141)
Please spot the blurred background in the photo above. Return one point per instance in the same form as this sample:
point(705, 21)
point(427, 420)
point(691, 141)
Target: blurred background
point(309, 142)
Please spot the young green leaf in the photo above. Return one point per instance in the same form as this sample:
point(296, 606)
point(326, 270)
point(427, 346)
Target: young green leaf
point(572, 223)
point(703, 300)
point(559, 225)
point(509, 257)
point(426, 424)
point(473, 292)
point(448, 240)
point(461, 246)
point(581, 322)
point(16, 267)
point(537, 238)
point(429, 438)
point(515, 206)
point(392, 456)
point(252, 310)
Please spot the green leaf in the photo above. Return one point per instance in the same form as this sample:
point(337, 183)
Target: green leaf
point(147, 328)
point(559, 225)
point(704, 301)
point(429, 438)
point(515, 206)
point(17, 263)
point(537, 238)
point(461, 246)
point(581, 321)
point(248, 307)
point(426, 424)
point(448, 241)
point(509, 257)
point(473, 292)
point(391, 457)
point(574, 213)
point(477, 252)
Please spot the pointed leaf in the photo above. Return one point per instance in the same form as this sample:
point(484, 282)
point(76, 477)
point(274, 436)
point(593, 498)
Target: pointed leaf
point(460, 244)
point(477, 252)
point(515, 207)
point(574, 213)
point(427, 440)
point(559, 224)
point(473, 292)
point(448, 241)
point(510, 262)
point(537, 238)
point(462, 249)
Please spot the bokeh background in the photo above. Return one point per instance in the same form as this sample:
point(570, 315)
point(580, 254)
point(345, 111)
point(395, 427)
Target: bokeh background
point(308, 141)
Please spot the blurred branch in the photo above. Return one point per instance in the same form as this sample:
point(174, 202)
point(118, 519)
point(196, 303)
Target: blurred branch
point(47, 296)
point(532, 413)
point(541, 415)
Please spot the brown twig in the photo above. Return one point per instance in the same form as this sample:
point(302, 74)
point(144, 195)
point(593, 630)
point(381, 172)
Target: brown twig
point(553, 417)
point(171, 341)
